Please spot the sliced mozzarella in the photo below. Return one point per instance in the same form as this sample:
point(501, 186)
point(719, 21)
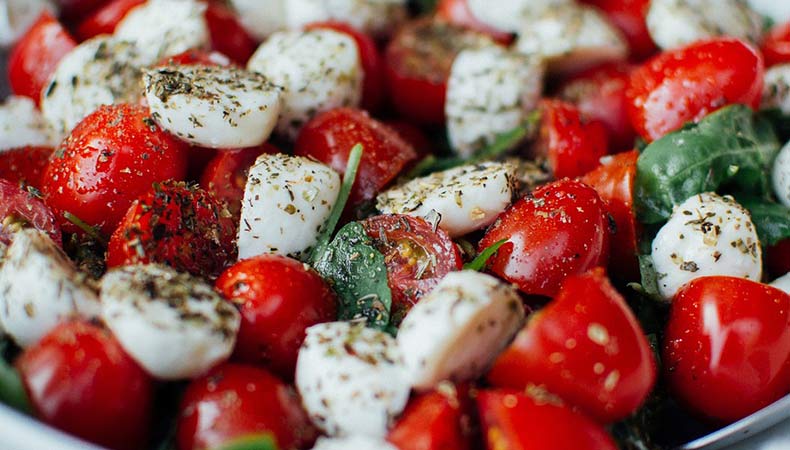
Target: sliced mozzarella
point(40, 287)
point(319, 69)
point(510, 15)
point(162, 28)
point(153, 308)
point(467, 198)
point(675, 23)
point(782, 283)
point(458, 329)
point(376, 17)
point(776, 10)
point(351, 379)
point(571, 38)
point(776, 90)
point(286, 202)
point(353, 443)
point(16, 16)
point(22, 125)
point(216, 107)
point(781, 175)
point(490, 91)
point(706, 235)
point(261, 17)
point(100, 71)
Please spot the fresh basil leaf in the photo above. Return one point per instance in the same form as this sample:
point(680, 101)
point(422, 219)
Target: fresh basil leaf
point(481, 261)
point(731, 148)
point(12, 391)
point(771, 219)
point(255, 442)
point(356, 271)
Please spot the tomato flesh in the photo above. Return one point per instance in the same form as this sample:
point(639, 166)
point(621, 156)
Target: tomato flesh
point(434, 421)
point(25, 165)
point(20, 207)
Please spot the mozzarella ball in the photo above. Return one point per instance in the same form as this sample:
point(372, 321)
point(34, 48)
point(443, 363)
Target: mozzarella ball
point(353, 443)
point(781, 175)
point(510, 15)
point(153, 308)
point(22, 125)
point(776, 90)
point(17, 16)
point(319, 70)
point(706, 235)
point(777, 10)
point(375, 17)
point(260, 18)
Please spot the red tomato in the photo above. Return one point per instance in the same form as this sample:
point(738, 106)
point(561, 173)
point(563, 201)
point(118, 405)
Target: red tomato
point(777, 258)
point(629, 16)
point(178, 225)
point(727, 346)
point(587, 347)
point(25, 165)
point(561, 229)
point(195, 58)
point(417, 257)
point(74, 9)
point(80, 380)
point(23, 208)
point(614, 182)
point(110, 159)
point(776, 45)
point(436, 420)
point(686, 84)
point(534, 421)
point(36, 55)
point(418, 62)
point(372, 63)
point(234, 401)
point(458, 13)
point(279, 298)
point(330, 136)
point(413, 135)
point(227, 35)
point(105, 19)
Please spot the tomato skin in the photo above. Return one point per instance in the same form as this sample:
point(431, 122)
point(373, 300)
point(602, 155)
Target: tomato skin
point(561, 229)
point(279, 298)
point(413, 135)
point(235, 401)
point(518, 421)
point(727, 347)
point(36, 55)
point(686, 84)
point(330, 136)
point(435, 420)
point(457, 12)
point(777, 258)
point(227, 35)
point(25, 165)
point(80, 380)
point(110, 158)
point(629, 16)
point(776, 45)
point(105, 19)
point(23, 205)
point(74, 9)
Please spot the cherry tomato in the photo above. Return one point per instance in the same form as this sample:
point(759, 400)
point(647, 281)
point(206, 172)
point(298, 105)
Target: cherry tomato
point(79, 379)
point(777, 258)
point(195, 58)
point(614, 181)
point(234, 401)
point(110, 159)
point(178, 225)
point(727, 346)
point(561, 229)
point(535, 421)
point(435, 420)
point(413, 135)
point(418, 62)
point(20, 208)
point(629, 16)
point(36, 55)
point(330, 136)
point(776, 45)
point(458, 13)
point(25, 165)
point(688, 83)
point(75, 9)
point(279, 298)
point(587, 347)
point(227, 35)
point(105, 19)
point(417, 257)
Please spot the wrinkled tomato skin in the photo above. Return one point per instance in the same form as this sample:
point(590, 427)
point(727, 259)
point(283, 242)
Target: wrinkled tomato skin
point(630, 17)
point(686, 84)
point(80, 380)
point(776, 45)
point(30, 209)
point(279, 298)
point(726, 349)
point(458, 13)
point(25, 165)
point(105, 19)
point(227, 35)
point(435, 420)
point(234, 401)
point(36, 55)
point(587, 347)
point(110, 159)
point(561, 229)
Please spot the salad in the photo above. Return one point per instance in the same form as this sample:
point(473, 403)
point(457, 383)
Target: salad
point(381, 224)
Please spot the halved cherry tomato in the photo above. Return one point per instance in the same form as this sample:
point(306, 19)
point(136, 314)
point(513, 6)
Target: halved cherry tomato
point(560, 229)
point(587, 347)
point(25, 165)
point(688, 83)
point(330, 136)
point(80, 380)
point(36, 55)
point(279, 298)
point(235, 401)
point(614, 181)
point(179, 225)
point(536, 421)
point(457, 12)
point(110, 159)
point(105, 19)
point(629, 16)
point(727, 346)
point(776, 45)
point(416, 255)
point(18, 207)
point(777, 258)
point(227, 35)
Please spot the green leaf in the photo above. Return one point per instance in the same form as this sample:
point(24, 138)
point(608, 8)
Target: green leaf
point(87, 229)
point(771, 219)
point(255, 442)
point(356, 271)
point(481, 261)
point(12, 391)
point(730, 149)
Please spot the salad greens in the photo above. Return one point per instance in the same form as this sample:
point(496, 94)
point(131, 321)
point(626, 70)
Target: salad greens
point(771, 219)
point(481, 261)
point(12, 392)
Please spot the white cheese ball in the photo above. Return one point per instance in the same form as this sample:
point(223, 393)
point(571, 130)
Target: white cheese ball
point(490, 91)
point(260, 18)
point(510, 15)
point(782, 283)
point(287, 201)
point(22, 125)
point(675, 23)
point(706, 235)
point(17, 16)
point(467, 198)
point(776, 90)
point(777, 10)
point(40, 288)
point(173, 324)
point(320, 70)
point(351, 379)
point(353, 443)
point(215, 107)
point(375, 17)
point(781, 175)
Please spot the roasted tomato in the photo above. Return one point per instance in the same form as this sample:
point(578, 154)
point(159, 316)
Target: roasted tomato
point(105, 19)
point(457, 12)
point(25, 165)
point(776, 45)
point(19, 208)
point(629, 16)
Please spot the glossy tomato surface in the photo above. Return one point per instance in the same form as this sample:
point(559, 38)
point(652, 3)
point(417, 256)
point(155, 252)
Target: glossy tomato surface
point(25, 165)
point(105, 19)
point(776, 45)
point(435, 420)
point(228, 36)
point(22, 208)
